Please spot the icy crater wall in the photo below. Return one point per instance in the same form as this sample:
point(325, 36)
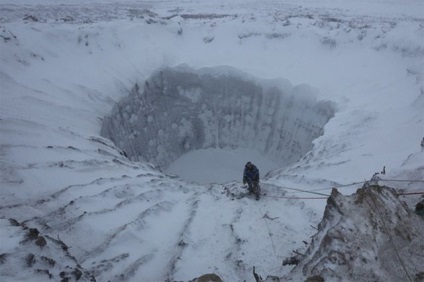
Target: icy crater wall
point(181, 109)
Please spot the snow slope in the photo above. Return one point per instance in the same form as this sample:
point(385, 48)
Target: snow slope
point(65, 65)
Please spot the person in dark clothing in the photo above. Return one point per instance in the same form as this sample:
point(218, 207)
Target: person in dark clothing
point(419, 208)
point(251, 177)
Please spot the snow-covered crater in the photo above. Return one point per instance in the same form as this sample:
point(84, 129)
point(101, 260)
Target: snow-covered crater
point(182, 109)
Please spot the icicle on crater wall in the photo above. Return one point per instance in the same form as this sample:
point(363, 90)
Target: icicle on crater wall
point(182, 109)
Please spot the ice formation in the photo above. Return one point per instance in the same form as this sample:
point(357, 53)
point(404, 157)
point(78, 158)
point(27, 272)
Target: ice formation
point(181, 109)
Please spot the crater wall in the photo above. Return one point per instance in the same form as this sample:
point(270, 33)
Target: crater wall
point(180, 109)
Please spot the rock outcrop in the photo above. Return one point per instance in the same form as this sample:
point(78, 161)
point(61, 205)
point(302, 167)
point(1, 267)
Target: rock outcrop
point(211, 277)
point(368, 236)
point(32, 257)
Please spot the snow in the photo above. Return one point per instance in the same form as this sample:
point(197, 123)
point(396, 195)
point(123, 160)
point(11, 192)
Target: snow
point(218, 165)
point(233, 110)
point(61, 75)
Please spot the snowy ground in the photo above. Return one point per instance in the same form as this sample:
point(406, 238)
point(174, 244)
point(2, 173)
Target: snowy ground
point(63, 67)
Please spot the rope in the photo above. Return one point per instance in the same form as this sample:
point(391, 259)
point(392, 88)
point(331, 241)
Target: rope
point(390, 239)
point(401, 180)
point(410, 193)
point(269, 232)
point(314, 191)
point(362, 182)
point(304, 191)
point(297, 198)
point(325, 198)
point(270, 236)
point(341, 186)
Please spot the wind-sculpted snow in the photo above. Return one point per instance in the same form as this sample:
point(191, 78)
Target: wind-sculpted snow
point(155, 228)
point(181, 110)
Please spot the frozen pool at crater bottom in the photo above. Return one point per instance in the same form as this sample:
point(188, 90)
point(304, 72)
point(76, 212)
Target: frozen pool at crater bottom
point(219, 165)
